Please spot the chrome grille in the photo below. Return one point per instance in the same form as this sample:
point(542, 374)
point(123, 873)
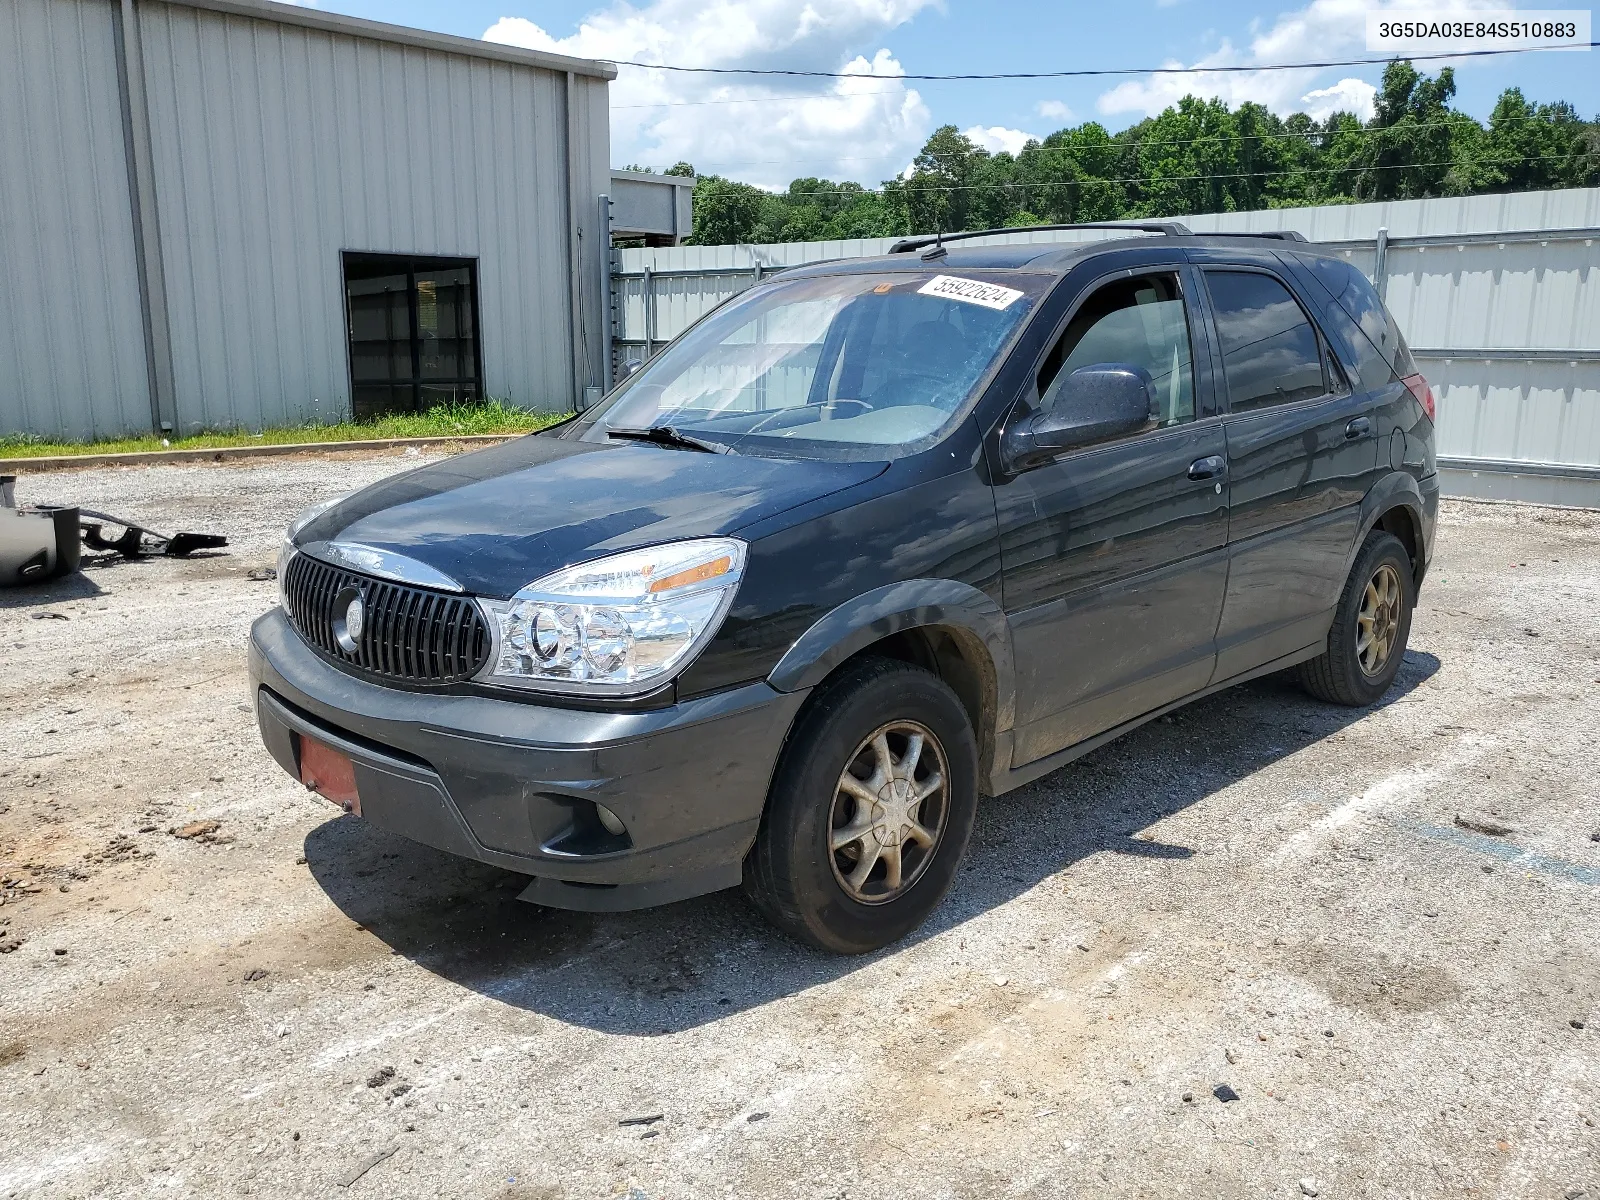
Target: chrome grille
point(410, 634)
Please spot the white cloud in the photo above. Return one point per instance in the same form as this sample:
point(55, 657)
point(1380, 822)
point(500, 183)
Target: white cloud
point(1054, 110)
point(763, 130)
point(1348, 95)
point(997, 138)
point(1321, 29)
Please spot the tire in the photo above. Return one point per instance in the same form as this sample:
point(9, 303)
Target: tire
point(1346, 673)
point(796, 876)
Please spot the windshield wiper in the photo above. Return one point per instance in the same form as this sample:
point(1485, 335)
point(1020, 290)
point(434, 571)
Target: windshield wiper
point(666, 435)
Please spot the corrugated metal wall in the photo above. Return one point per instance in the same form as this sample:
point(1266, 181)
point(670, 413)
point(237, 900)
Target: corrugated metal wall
point(1506, 327)
point(72, 354)
point(278, 147)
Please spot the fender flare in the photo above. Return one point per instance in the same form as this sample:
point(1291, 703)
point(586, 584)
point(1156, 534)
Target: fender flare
point(894, 608)
point(1397, 489)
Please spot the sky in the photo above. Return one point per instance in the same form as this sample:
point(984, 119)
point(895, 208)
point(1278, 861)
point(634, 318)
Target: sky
point(768, 131)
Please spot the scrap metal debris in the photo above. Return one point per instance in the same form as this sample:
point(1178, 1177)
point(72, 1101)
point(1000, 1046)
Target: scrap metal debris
point(135, 541)
point(46, 541)
point(35, 543)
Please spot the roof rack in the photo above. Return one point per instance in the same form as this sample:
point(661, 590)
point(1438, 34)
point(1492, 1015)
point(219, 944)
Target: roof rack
point(1281, 235)
point(906, 245)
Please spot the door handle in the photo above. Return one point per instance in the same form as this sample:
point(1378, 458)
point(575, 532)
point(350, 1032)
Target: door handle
point(1359, 427)
point(1213, 466)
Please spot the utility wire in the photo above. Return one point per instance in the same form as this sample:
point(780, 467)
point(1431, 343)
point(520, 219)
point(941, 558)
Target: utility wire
point(1097, 72)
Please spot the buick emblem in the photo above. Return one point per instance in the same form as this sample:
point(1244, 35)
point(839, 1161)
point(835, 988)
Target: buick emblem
point(350, 618)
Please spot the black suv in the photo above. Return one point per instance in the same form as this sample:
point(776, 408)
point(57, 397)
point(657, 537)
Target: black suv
point(870, 540)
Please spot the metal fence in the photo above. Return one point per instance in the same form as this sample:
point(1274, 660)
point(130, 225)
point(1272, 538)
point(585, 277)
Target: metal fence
point(1499, 297)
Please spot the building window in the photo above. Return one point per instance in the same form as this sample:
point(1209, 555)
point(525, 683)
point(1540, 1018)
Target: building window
point(413, 327)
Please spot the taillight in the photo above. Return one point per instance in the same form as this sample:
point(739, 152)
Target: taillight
point(1418, 387)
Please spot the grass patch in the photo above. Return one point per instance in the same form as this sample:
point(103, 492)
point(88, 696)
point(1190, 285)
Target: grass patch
point(446, 420)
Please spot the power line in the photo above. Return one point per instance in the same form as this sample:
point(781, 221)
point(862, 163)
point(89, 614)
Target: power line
point(1104, 71)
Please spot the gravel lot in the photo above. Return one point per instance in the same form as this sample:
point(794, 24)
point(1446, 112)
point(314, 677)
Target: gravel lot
point(1261, 893)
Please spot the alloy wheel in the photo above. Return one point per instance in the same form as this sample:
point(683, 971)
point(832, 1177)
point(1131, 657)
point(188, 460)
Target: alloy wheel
point(1378, 621)
point(889, 811)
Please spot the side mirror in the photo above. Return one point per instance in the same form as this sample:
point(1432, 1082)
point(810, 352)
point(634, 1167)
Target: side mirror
point(629, 369)
point(1093, 404)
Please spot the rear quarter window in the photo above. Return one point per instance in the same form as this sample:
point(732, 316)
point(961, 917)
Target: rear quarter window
point(1381, 353)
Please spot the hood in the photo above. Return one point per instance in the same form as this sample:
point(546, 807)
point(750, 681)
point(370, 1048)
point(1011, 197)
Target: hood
point(497, 519)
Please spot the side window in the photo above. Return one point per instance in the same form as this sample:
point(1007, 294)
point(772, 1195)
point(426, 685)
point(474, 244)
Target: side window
point(1138, 321)
point(1270, 352)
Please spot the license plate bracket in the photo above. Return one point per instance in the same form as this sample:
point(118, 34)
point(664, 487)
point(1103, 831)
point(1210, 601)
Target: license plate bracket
point(329, 773)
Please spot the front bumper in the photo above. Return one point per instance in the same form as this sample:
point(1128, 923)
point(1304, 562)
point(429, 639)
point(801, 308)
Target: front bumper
point(510, 783)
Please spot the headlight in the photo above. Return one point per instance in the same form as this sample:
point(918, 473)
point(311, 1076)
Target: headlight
point(286, 551)
point(619, 624)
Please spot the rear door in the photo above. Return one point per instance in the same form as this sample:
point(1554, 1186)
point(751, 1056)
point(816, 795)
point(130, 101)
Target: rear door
point(1115, 554)
point(1301, 448)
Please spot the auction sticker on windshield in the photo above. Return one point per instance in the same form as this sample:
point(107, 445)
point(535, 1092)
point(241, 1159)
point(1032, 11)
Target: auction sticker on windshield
point(970, 291)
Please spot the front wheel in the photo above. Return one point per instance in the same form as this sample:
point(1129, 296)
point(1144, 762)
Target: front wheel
point(1370, 627)
point(870, 812)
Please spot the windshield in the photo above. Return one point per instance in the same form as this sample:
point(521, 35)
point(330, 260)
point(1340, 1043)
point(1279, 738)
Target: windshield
point(840, 366)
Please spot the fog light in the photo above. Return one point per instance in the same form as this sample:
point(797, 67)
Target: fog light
point(613, 824)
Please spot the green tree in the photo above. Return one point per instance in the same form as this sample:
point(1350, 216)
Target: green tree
point(1406, 152)
point(726, 212)
point(1530, 146)
point(939, 191)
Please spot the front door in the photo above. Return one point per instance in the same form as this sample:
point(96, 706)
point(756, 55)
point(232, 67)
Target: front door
point(1114, 554)
point(1301, 451)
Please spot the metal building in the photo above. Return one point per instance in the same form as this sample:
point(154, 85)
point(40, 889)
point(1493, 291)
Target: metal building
point(230, 213)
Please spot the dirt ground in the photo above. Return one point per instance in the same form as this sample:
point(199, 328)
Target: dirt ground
point(1261, 897)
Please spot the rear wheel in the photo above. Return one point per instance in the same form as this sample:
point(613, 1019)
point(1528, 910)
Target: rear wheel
point(1370, 627)
point(870, 810)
